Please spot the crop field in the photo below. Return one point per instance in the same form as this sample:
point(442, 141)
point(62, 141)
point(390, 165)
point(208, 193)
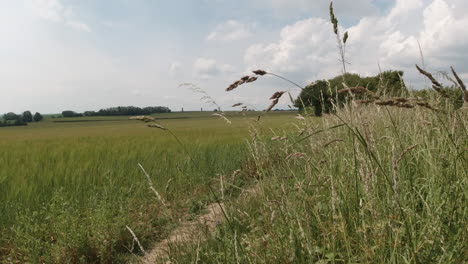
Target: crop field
point(70, 186)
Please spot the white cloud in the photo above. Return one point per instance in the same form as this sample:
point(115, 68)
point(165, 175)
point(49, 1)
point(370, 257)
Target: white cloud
point(229, 31)
point(79, 26)
point(176, 70)
point(355, 8)
point(52, 10)
point(307, 49)
point(55, 11)
point(206, 68)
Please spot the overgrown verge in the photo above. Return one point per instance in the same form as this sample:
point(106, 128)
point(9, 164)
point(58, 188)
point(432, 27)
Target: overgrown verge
point(370, 184)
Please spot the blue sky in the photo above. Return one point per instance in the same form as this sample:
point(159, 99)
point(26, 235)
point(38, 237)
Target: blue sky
point(88, 54)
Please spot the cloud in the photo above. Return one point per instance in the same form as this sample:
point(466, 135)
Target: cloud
point(307, 49)
point(79, 26)
point(230, 31)
point(176, 70)
point(206, 68)
point(55, 11)
point(347, 9)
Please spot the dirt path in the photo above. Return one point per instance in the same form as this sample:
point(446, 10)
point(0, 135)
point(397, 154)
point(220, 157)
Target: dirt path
point(191, 231)
point(187, 232)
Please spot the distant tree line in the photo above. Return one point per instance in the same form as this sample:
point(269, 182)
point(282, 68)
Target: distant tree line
point(120, 111)
point(12, 119)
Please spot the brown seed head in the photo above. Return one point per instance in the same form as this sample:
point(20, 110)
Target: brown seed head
point(277, 95)
point(252, 79)
point(272, 104)
point(232, 87)
point(259, 72)
point(385, 102)
point(400, 99)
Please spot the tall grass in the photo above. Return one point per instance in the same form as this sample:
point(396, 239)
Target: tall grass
point(381, 180)
point(370, 184)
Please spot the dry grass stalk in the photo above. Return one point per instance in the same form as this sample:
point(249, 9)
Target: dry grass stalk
point(150, 183)
point(145, 119)
point(136, 239)
point(461, 84)
point(300, 117)
point(435, 84)
point(406, 151)
point(223, 117)
point(392, 102)
point(333, 141)
point(296, 155)
point(426, 105)
point(156, 125)
point(280, 138)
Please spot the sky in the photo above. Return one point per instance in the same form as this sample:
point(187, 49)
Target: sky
point(82, 55)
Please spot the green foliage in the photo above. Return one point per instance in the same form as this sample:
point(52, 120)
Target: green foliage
point(84, 185)
point(10, 116)
point(69, 113)
point(38, 117)
point(454, 99)
point(27, 117)
point(322, 95)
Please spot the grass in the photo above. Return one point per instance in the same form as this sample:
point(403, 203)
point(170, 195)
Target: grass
point(68, 189)
point(368, 184)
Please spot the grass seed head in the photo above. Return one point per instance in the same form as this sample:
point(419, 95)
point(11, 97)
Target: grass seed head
point(259, 72)
point(245, 78)
point(277, 95)
point(275, 102)
point(145, 119)
point(156, 125)
point(251, 79)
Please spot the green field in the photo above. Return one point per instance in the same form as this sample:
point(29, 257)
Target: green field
point(69, 186)
point(366, 184)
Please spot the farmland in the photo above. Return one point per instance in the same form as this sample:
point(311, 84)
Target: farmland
point(70, 186)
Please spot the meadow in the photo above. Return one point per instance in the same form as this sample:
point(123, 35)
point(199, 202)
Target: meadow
point(365, 184)
point(380, 177)
point(70, 186)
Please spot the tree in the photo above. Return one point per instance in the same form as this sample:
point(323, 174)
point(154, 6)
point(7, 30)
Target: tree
point(37, 117)
point(27, 116)
point(317, 96)
point(10, 116)
point(69, 113)
point(323, 94)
